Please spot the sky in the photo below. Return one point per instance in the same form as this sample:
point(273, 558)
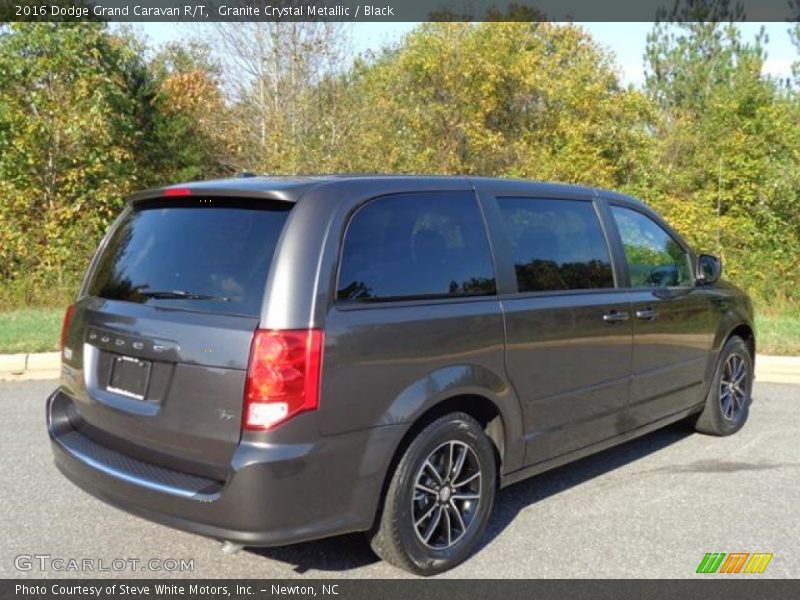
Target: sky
point(626, 40)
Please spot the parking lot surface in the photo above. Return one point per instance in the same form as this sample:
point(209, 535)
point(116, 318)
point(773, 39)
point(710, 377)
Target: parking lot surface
point(649, 508)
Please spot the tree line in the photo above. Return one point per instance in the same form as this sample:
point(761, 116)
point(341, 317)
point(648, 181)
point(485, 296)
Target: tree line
point(89, 114)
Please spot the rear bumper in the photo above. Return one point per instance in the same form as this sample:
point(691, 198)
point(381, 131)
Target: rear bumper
point(275, 494)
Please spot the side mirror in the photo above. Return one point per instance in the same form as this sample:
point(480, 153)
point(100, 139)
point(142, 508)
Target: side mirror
point(709, 268)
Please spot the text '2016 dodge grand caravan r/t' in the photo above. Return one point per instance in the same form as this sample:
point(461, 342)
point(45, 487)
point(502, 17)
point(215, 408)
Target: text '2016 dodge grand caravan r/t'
point(272, 360)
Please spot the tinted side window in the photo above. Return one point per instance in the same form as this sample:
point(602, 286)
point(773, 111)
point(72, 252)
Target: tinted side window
point(558, 244)
point(654, 258)
point(430, 244)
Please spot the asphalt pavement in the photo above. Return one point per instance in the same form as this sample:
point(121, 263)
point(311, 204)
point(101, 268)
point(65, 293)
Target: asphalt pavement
point(649, 508)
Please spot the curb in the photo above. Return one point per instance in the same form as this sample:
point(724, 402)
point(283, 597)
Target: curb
point(778, 369)
point(40, 365)
point(47, 365)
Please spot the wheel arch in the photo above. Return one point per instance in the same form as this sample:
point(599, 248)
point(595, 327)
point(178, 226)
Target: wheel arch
point(746, 332)
point(477, 405)
point(734, 326)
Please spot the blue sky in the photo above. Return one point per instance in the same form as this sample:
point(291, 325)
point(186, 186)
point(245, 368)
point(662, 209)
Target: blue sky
point(628, 40)
point(625, 40)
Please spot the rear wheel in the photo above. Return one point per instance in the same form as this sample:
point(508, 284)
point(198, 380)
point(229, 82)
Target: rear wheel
point(439, 499)
point(728, 401)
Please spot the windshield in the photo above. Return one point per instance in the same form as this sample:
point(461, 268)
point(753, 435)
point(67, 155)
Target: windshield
point(185, 254)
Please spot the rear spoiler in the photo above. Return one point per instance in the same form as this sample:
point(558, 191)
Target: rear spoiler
point(207, 191)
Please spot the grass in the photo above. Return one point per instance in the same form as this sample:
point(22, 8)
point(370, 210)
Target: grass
point(38, 330)
point(778, 334)
point(30, 330)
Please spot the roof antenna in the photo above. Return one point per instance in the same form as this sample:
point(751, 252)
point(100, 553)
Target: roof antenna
point(246, 174)
point(719, 209)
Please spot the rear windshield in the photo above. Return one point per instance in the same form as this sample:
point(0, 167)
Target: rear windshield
point(188, 254)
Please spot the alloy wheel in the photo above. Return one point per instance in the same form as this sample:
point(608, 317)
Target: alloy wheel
point(733, 386)
point(447, 493)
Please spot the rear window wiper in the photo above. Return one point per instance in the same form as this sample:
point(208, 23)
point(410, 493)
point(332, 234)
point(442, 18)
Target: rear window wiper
point(180, 295)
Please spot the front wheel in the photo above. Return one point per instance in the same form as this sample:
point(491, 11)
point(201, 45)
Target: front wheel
point(439, 499)
point(728, 401)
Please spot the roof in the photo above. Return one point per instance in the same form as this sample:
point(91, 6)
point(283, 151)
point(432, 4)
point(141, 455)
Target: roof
point(291, 188)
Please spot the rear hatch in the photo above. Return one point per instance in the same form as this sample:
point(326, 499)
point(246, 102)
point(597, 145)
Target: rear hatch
point(156, 353)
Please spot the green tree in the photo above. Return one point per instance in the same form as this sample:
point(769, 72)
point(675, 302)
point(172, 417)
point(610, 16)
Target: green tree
point(514, 99)
point(67, 126)
point(726, 166)
point(794, 34)
point(192, 129)
point(84, 120)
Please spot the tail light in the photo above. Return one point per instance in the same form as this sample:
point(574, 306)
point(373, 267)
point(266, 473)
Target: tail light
point(65, 326)
point(282, 377)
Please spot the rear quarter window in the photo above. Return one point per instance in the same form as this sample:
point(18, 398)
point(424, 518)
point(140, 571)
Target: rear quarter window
point(196, 254)
point(416, 245)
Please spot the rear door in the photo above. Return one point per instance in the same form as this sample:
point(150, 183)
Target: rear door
point(568, 328)
point(159, 343)
point(673, 329)
point(416, 310)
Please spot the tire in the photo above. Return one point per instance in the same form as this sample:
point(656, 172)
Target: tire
point(727, 407)
point(417, 489)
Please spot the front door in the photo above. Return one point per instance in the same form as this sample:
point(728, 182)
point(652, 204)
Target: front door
point(673, 331)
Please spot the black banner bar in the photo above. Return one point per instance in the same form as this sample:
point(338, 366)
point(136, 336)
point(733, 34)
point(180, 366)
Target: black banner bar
point(200, 11)
point(706, 587)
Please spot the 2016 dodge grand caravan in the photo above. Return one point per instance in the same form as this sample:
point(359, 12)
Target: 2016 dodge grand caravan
point(271, 360)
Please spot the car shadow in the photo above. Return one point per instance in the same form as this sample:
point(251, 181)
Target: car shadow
point(515, 498)
point(351, 551)
point(340, 553)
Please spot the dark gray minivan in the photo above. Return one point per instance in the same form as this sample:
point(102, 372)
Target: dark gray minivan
point(272, 360)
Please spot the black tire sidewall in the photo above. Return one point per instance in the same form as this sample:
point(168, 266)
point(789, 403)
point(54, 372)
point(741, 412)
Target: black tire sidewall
point(454, 427)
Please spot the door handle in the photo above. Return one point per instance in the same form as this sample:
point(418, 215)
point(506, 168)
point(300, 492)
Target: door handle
point(648, 314)
point(616, 316)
